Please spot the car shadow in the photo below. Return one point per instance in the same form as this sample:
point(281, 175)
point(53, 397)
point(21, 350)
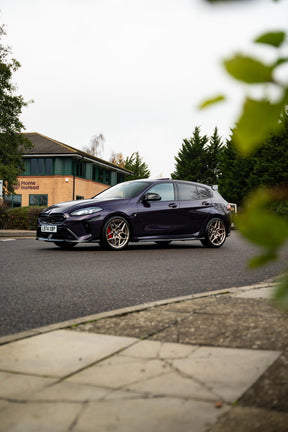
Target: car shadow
point(95, 247)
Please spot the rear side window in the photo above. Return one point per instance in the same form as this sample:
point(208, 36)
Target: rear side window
point(187, 192)
point(204, 192)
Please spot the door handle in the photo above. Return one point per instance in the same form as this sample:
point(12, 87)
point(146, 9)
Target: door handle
point(206, 203)
point(173, 205)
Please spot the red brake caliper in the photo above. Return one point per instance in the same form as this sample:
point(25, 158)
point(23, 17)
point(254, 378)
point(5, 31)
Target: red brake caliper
point(109, 232)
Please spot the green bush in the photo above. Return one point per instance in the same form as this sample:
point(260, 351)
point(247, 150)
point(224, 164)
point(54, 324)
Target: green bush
point(22, 218)
point(281, 208)
point(3, 215)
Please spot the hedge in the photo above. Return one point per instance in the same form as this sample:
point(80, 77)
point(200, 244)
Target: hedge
point(23, 218)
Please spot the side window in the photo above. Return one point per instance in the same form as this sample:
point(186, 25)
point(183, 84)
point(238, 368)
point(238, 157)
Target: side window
point(165, 190)
point(187, 192)
point(203, 192)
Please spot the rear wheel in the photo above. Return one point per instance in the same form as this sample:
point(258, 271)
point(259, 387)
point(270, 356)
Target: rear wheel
point(215, 233)
point(65, 245)
point(115, 234)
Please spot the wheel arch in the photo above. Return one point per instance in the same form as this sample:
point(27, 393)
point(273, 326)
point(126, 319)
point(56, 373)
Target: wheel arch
point(115, 214)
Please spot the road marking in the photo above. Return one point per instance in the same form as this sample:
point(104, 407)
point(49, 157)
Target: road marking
point(9, 239)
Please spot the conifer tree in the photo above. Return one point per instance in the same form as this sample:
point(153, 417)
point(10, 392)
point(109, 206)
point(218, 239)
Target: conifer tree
point(214, 151)
point(192, 160)
point(135, 164)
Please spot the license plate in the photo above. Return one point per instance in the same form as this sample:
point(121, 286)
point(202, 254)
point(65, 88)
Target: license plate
point(49, 228)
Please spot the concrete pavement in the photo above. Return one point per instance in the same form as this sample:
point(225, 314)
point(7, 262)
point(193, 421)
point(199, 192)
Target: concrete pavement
point(210, 362)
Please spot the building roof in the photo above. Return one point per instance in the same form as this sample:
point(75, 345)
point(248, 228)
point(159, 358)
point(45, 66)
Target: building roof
point(45, 146)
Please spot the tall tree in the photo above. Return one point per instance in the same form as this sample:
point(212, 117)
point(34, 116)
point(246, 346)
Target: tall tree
point(12, 142)
point(235, 173)
point(117, 159)
point(96, 146)
point(270, 166)
point(214, 151)
point(266, 166)
point(192, 160)
point(135, 164)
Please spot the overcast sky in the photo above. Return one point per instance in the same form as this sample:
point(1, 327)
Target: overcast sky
point(133, 70)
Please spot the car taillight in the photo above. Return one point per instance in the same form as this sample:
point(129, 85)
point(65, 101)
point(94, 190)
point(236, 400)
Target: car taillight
point(228, 207)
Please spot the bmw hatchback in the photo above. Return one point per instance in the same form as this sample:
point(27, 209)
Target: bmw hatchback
point(161, 211)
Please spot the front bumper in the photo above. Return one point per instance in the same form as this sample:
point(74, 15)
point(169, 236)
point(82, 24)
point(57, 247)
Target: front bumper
point(63, 234)
point(72, 230)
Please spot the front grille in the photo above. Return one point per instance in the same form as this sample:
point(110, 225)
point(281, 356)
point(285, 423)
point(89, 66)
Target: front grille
point(53, 218)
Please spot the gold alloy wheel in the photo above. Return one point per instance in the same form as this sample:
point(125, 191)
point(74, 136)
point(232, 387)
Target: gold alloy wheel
point(216, 232)
point(117, 233)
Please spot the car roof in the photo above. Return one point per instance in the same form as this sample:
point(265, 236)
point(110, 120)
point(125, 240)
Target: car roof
point(161, 179)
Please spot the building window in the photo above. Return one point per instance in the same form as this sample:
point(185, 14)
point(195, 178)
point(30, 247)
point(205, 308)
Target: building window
point(38, 200)
point(95, 173)
point(34, 167)
point(120, 177)
point(101, 175)
point(49, 166)
point(79, 197)
point(108, 176)
point(80, 169)
point(13, 201)
point(40, 166)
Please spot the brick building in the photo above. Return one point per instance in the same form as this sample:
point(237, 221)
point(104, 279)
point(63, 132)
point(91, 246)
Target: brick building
point(56, 172)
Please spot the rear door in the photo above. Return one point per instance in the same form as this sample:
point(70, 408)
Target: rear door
point(195, 207)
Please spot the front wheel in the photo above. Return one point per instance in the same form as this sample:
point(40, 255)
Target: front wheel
point(115, 234)
point(215, 233)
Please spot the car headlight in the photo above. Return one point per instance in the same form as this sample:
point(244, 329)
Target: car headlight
point(86, 211)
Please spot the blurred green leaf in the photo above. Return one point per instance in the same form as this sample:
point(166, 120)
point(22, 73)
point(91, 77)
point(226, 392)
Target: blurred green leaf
point(281, 292)
point(216, 99)
point(257, 121)
point(263, 259)
point(272, 38)
point(260, 225)
point(248, 70)
point(280, 61)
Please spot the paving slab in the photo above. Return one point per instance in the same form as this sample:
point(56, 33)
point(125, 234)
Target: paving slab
point(58, 353)
point(196, 372)
point(153, 415)
point(19, 387)
point(36, 417)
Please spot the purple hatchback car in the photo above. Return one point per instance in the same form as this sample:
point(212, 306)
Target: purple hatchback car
point(161, 211)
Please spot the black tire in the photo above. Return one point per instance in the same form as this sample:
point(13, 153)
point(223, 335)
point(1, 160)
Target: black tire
point(215, 233)
point(115, 234)
point(65, 245)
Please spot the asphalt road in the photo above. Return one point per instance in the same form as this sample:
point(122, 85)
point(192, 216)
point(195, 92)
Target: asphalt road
point(41, 284)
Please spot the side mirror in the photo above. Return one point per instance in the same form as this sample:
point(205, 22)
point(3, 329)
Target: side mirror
point(151, 197)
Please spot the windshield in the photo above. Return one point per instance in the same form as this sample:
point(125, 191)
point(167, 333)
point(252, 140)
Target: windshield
point(124, 190)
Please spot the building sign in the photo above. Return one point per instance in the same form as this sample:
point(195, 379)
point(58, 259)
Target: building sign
point(27, 185)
